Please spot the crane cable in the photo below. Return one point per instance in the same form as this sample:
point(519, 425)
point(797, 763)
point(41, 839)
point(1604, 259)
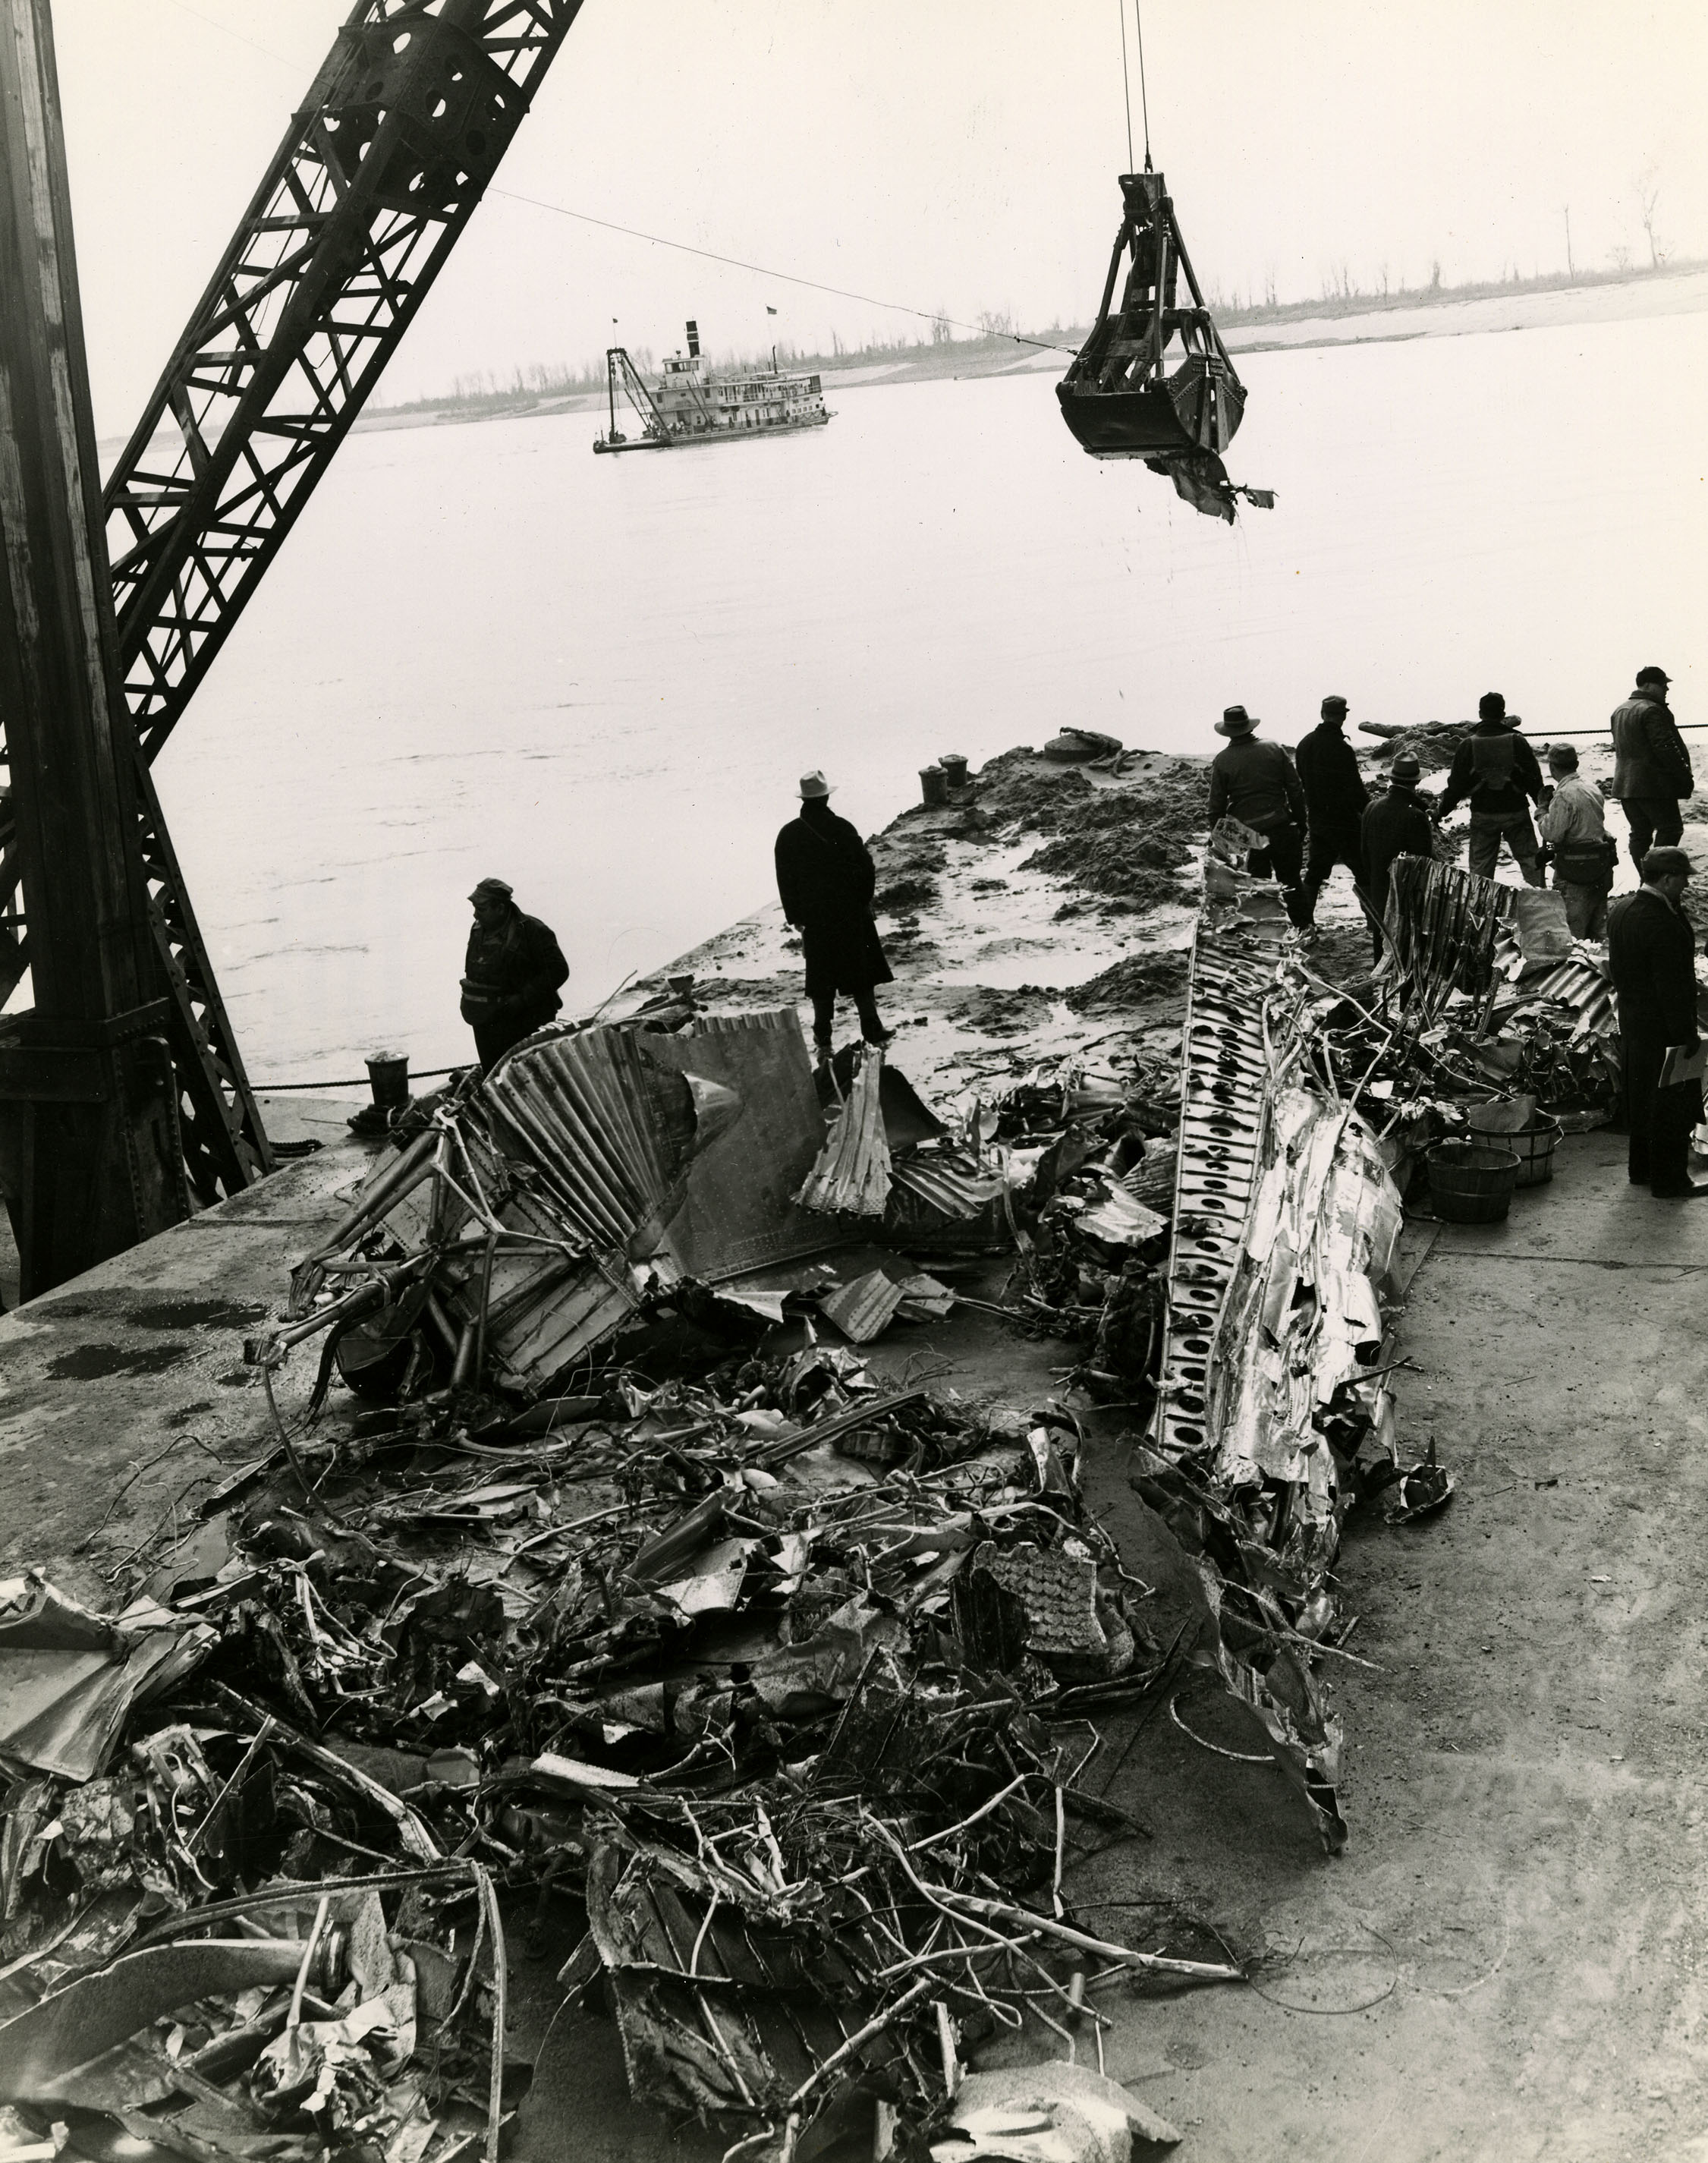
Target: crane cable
point(1144, 102)
point(782, 277)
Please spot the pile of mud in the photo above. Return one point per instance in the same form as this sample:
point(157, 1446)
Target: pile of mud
point(1125, 865)
point(992, 1011)
point(1146, 981)
point(1431, 743)
point(1172, 796)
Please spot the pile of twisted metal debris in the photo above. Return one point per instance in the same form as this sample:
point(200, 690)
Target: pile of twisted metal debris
point(614, 1588)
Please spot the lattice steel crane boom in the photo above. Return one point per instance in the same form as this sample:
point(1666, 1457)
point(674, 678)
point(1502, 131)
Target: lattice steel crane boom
point(379, 173)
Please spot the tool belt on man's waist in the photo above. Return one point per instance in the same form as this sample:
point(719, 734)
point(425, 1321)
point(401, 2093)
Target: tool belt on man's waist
point(478, 999)
point(1587, 863)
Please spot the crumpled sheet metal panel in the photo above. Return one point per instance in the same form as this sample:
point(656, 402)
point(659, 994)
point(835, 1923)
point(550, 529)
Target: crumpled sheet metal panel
point(739, 1212)
point(851, 1174)
point(1286, 1223)
point(549, 1300)
point(1443, 926)
point(1304, 1316)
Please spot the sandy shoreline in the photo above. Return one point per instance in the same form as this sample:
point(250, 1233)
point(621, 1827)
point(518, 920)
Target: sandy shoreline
point(1670, 293)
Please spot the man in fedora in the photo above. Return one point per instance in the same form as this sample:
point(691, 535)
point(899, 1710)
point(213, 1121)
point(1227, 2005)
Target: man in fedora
point(1396, 824)
point(1254, 783)
point(511, 974)
point(1651, 766)
point(1653, 954)
point(825, 880)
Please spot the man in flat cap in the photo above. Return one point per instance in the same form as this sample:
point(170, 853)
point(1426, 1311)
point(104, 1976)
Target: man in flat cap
point(1334, 800)
point(1496, 769)
point(1651, 766)
point(825, 880)
point(511, 974)
point(1254, 783)
point(1396, 825)
point(1653, 953)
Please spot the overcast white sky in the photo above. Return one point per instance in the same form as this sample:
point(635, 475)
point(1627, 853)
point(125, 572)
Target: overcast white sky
point(952, 154)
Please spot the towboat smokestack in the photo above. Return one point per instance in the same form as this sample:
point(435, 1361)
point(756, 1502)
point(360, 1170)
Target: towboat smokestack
point(693, 341)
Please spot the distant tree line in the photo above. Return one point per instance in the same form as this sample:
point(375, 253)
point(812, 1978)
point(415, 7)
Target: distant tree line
point(1341, 294)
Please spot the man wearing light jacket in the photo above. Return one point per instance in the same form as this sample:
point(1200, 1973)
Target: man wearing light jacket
point(1652, 768)
point(1574, 840)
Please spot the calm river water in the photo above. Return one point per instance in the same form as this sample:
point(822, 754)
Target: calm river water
point(484, 650)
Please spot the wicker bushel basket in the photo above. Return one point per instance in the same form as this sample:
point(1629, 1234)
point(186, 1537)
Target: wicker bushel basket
point(1471, 1182)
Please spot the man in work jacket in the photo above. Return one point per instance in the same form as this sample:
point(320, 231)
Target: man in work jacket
point(1574, 840)
point(1334, 800)
point(825, 880)
point(1496, 769)
point(511, 973)
point(1255, 783)
point(1396, 824)
point(1651, 766)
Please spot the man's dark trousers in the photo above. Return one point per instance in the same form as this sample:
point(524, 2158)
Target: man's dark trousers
point(1282, 858)
point(1331, 846)
point(1656, 822)
point(1661, 1119)
point(494, 1039)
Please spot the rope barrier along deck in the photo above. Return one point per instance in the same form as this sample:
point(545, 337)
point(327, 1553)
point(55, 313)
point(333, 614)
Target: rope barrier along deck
point(358, 1081)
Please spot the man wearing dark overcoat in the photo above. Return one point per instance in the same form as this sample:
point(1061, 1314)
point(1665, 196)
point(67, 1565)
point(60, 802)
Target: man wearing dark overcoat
point(1335, 797)
point(512, 972)
point(1651, 766)
point(1653, 953)
point(825, 880)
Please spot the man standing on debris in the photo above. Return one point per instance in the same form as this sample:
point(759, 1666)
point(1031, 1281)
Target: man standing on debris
point(1651, 766)
point(1255, 783)
point(1396, 825)
point(1574, 838)
point(1496, 769)
point(1334, 800)
point(825, 880)
point(1653, 953)
point(511, 973)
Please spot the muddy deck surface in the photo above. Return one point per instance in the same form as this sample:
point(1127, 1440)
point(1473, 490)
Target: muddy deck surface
point(124, 1396)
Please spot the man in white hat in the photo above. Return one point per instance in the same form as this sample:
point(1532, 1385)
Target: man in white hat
point(512, 972)
point(1254, 783)
point(825, 880)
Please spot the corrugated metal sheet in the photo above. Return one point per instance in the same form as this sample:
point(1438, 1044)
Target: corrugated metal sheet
point(551, 1298)
point(851, 1176)
point(607, 1128)
point(1442, 926)
point(953, 1186)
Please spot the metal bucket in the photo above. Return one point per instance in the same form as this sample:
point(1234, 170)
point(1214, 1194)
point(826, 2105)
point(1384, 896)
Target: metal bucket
point(388, 1078)
point(954, 767)
point(1471, 1182)
point(933, 785)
